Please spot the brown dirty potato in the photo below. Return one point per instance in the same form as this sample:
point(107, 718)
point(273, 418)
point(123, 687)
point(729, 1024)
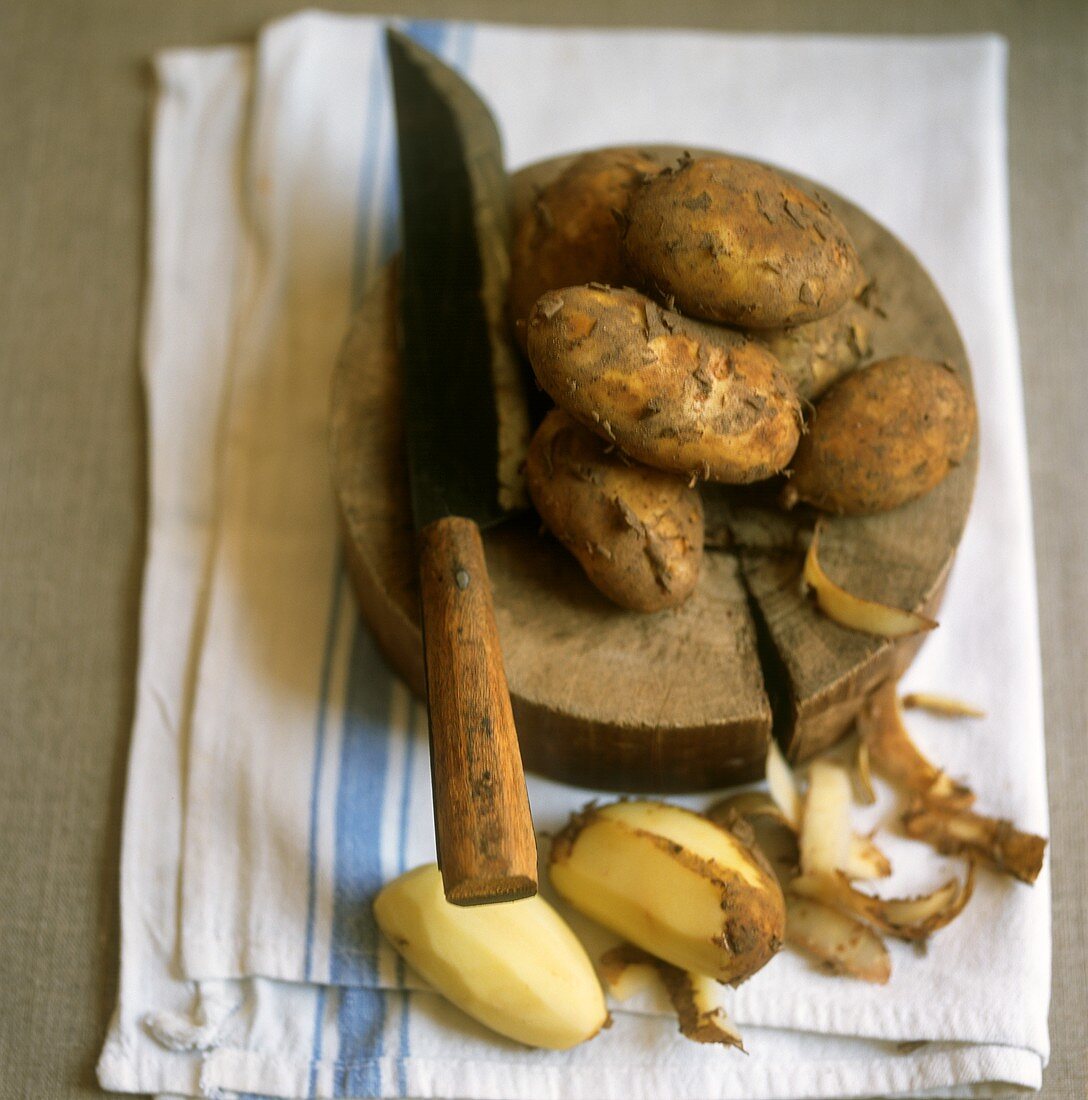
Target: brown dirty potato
point(690, 398)
point(815, 355)
point(571, 232)
point(637, 532)
point(735, 242)
point(882, 436)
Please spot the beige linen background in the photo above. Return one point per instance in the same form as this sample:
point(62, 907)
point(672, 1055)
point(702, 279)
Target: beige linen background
point(74, 105)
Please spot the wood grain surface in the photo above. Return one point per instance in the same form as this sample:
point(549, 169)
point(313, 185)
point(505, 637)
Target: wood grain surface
point(74, 101)
point(683, 699)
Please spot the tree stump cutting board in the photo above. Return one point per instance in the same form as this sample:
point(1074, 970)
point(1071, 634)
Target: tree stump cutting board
point(685, 699)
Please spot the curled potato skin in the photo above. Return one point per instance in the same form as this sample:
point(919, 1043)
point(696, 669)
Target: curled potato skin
point(637, 532)
point(676, 394)
point(883, 436)
point(571, 233)
point(735, 242)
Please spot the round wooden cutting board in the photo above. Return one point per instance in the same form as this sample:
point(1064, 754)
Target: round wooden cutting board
point(683, 699)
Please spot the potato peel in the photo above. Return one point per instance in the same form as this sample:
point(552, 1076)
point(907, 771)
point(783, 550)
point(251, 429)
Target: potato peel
point(895, 755)
point(825, 822)
point(863, 773)
point(865, 860)
point(904, 918)
point(855, 612)
point(748, 805)
point(841, 944)
point(956, 831)
point(697, 1000)
point(772, 835)
point(942, 705)
point(827, 842)
point(627, 970)
point(695, 997)
point(782, 784)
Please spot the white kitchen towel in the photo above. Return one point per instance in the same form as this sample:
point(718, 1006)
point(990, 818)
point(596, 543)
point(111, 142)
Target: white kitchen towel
point(279, 772)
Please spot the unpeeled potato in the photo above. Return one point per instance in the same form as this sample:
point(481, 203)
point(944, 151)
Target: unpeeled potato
point(883, 436)
point(816, 355)
point(735, 242)
point(570, 234)
point(637, 532)
point(683, 396)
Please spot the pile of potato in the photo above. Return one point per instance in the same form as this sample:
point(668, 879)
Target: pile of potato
point(683, 319)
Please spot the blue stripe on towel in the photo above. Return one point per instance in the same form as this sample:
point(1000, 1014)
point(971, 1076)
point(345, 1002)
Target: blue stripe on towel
point(358, 869)
point(376, 100)
point(361, 1022)
point(319, 1034)
point(378, 115)
point(364, 757)
point(463, 57)
point(402, 866)
point(319, 757)
point(315, 786)
point(431, 34)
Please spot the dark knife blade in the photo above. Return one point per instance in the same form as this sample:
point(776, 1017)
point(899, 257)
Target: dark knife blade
point(453, 212)
point(453, 271)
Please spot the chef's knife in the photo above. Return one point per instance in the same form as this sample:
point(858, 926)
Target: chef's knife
point(453, 204)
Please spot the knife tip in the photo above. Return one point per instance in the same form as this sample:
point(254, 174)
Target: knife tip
point(396, 41)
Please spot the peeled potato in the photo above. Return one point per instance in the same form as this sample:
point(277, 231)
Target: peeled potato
point(516, 967)
point(682, 396)
point(883, 436)
point(637, 532)
point(571, 232)
point(736, 242)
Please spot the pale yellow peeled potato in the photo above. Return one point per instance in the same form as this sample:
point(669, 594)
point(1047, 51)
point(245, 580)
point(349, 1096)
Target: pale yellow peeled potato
point(516, 967)
point(674, 883)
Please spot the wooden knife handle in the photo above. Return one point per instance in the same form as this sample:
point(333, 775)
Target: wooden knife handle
point(483, 827)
